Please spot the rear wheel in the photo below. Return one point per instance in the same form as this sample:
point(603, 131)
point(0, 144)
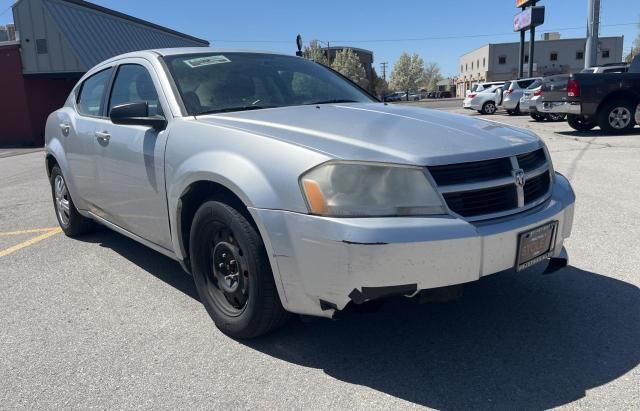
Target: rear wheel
point(579, 123)
point(489, 108)
point(616, 117)
point(556, 117)
point(232, 272)
point(72, 223)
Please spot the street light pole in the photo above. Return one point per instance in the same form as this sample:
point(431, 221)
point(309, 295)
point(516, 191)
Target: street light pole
point(593, 27)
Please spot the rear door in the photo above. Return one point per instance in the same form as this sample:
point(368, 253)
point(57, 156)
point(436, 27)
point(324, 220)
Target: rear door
point(131, 183)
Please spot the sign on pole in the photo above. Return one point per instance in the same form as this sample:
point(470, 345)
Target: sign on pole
point(524, 3)
point(531, 17)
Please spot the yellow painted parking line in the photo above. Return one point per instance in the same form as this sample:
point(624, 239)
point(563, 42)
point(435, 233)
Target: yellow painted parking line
point(48, 233)
point(36, 230)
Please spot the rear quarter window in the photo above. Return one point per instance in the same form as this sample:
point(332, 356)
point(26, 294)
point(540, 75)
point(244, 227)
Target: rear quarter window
point(90, 100)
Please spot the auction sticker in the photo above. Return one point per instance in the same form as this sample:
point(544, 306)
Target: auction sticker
point(206, 61)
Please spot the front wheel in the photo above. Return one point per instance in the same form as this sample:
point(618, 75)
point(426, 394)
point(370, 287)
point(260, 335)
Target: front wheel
point(232, 272)
point(70, 220)
point(489, 108)
point(578, 123)
point(616, 117)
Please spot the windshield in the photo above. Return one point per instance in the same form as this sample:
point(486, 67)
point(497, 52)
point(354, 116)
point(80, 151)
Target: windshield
point(223, 82)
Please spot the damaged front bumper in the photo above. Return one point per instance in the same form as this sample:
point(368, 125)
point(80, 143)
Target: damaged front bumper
point(321, 264)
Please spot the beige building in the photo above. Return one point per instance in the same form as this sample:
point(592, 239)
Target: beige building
point(499, 62)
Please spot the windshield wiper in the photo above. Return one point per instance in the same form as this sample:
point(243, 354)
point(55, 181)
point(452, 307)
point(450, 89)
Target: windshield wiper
point(335, 100)
point(229, 109)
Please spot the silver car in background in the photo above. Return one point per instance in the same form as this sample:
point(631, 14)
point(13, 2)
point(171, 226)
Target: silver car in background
point(485, 101)
point(284, 188)
point(514, 92)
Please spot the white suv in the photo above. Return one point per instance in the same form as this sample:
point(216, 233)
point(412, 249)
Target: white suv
point(485, 101)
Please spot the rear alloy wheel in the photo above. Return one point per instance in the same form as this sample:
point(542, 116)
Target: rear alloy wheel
point(232, 273)
point(72, 223)
point(616, 117)
point(489, 108)
point(578, 123)
point(557, 117)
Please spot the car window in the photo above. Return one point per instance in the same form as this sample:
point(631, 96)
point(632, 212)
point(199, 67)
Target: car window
point(133, 84)
point(535, 84)
point(588, 70)
point(215, 83)
point(507, 85)
point(525, 83)
point(91, 96)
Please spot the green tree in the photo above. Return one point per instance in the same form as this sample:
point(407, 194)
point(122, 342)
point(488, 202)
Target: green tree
point(408, 72)
point(348, 64)
point(315, 52)
point(635, 49)
point(380, 85)
point(431, 76)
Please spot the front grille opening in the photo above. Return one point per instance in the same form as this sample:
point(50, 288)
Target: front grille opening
point(472, 172)
point(533, 160)
point(536, 187)
point(485, 201)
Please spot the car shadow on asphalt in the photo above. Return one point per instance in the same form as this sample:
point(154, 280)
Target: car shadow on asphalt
point(514, 341)
point(596, 133)
point(156, 264)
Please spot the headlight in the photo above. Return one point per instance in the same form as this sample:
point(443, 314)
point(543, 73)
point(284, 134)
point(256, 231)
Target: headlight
point(354, 189)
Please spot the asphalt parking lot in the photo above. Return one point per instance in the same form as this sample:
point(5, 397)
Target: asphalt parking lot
point(104, 322)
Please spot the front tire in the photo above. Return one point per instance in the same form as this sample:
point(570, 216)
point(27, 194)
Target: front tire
point(616, 117)
point(73, 224)
point(579, 124)
point(232, 273)
point(489, 108)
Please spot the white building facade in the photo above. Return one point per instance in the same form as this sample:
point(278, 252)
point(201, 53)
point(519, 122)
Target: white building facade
point(499, 62)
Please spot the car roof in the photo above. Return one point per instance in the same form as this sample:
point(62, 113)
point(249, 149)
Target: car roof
point(152, 53)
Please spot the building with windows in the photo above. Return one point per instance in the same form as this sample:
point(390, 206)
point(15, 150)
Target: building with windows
point(553, 55)
point(56, 42)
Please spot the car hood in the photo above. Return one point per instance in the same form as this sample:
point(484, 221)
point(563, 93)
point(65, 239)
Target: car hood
point(379, 132)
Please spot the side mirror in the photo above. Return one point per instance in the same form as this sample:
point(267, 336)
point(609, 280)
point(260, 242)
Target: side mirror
point(136, 114)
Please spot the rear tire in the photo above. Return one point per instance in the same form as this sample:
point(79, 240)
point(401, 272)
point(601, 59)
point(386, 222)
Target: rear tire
point(232, 273)
point(489, 108)
point(617, 117)
point(556, 117)
point(579, 124)
point(71, 222)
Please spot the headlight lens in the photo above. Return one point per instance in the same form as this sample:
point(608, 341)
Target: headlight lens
point(352, 189)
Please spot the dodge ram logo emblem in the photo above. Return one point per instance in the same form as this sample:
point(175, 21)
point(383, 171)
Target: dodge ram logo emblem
point(519, 177)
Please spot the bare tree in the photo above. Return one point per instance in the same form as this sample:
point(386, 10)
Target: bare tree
point(348, 64)
point(431, 76)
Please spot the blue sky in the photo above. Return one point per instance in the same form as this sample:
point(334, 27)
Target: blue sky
point(384, 27)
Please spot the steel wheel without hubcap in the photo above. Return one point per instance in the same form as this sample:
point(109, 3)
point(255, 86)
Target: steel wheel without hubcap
point(619, 118)
point(62, 199)
point(228, 279)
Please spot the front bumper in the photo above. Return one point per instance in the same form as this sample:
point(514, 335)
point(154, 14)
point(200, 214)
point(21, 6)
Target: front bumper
point(321, 264)
point(558, 107)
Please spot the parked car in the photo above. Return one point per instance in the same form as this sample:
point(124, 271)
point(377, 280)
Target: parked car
point(608, 100)
point(608, 68)
point(396, 96)
point(301, 197)
point(486, 101)
point(480, 87)
point(432, 94)
point(415, 96)
point(531, 96)
point(445, 94)
point(513, 92)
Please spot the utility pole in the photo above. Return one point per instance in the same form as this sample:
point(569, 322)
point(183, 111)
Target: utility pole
point(532, 40)
point(521, 57)
point(593, 29)
point(384, 70)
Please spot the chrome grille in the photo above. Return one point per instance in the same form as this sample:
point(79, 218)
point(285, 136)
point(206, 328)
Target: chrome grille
point(493, 188)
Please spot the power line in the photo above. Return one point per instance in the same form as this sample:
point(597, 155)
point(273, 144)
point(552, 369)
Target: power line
point(452, 37)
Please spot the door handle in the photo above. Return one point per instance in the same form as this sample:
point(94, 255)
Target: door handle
point(103, 136)
point(65, 127)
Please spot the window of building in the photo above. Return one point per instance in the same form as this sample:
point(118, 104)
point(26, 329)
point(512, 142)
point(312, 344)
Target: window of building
point(466, 67)
point(526, 59)
point(91, 94)
point(579, 55)
point(502, 60)
point(478, 63)
point(41, 46)
point(461, 68)
point(472, 65)
point(605, 54)
point(553, 56)
point(484, 62)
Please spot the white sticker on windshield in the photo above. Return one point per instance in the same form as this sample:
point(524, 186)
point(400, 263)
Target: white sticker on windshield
point(206, 61)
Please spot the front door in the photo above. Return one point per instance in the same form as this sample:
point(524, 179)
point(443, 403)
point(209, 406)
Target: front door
point(130, 181)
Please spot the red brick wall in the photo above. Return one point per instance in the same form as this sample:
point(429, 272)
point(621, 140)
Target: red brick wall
point(25, 102)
